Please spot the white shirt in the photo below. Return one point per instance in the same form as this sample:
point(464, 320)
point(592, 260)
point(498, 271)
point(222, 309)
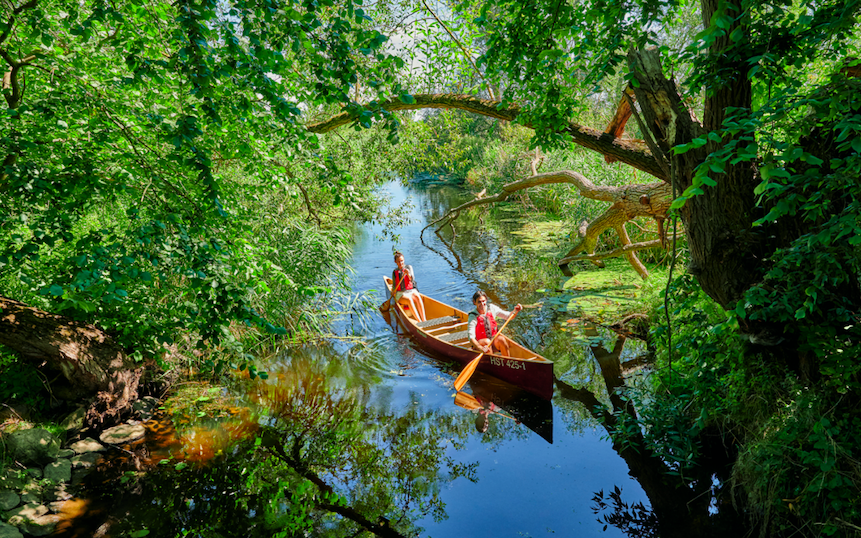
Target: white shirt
point(497, 312)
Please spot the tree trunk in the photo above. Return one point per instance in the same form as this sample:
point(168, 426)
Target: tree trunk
point(725, 255)
point(85, 355)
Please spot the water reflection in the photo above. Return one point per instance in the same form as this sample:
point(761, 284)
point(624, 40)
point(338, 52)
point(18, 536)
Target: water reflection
point(313, 451)
point(360, 433)
point(494, 401)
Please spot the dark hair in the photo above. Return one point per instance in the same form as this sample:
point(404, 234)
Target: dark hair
point(481, 423)
point(476, 295)
point(398, 254)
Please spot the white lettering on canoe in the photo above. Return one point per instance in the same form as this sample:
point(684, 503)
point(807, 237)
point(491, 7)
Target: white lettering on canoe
point(508, 363)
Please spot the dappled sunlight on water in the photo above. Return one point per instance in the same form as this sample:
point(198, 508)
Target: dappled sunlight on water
point(372, 418)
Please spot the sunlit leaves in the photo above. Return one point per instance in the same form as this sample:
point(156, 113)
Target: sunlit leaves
point(116, 205)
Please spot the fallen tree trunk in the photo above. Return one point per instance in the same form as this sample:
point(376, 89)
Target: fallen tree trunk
point(85, 355)
point(629, 202)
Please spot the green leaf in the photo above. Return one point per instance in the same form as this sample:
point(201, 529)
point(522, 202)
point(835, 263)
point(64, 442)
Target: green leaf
point(737, 34)
point(678, 203)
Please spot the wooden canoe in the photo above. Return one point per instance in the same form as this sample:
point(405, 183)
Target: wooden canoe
point(445, 333)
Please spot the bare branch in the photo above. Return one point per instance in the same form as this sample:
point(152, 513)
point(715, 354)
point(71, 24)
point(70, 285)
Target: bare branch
point(615, 253)
point(629, 202)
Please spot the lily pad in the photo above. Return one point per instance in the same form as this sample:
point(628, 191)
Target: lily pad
point(542, 236)
point(598, 294)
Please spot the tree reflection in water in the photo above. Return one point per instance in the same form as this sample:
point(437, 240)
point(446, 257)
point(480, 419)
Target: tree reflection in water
point(348, 470)
point(681, 506)
point(313, 457)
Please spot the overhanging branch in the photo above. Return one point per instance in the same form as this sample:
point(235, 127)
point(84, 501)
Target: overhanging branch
point(628, 202)
point(615, 253)
point(632, 152)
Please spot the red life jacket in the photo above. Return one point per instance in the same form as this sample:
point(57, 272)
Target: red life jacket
point(486, 326)
point(406, 282)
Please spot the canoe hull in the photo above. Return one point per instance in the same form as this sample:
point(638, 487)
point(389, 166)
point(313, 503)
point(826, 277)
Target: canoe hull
point(524, 368)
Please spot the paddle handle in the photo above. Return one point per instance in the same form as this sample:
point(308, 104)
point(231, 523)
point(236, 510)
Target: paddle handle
point(511, 317)
point(392, 294)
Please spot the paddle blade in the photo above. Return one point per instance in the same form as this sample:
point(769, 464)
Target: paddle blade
point(467, 372)
point(385, 307)
point(466, 401)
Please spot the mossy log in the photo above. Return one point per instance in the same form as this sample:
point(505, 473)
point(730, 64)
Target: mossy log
point(88, 358)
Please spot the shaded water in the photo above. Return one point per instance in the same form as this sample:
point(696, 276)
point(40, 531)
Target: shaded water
point(374, 418)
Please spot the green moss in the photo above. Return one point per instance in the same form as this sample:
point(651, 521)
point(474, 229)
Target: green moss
point(603, 294)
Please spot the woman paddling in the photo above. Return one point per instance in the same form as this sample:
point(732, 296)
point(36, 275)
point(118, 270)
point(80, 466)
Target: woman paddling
point(482, 325)
point(404, 287)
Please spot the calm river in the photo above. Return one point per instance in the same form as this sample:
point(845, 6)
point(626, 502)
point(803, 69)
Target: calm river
point(526, 486)
point(416, 455)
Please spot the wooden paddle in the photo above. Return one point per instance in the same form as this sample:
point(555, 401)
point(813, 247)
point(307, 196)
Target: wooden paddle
point(387, 305)
point(469, 369)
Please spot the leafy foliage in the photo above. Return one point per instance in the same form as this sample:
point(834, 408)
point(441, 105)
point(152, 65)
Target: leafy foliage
point(802, 471)
point(797, 468)
point(632, 519)
point(147, 140)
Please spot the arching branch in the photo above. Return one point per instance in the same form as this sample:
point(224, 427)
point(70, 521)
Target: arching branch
point(629, 151)
point(629, 202)
point(586, 187)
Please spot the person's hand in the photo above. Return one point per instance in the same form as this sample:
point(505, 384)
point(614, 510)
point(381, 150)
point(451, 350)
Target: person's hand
point(518, 308)
point(486, 349)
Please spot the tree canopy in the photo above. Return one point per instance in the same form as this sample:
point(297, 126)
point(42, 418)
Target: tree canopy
point(139, 133)
point(144, 147)
point(165, 163)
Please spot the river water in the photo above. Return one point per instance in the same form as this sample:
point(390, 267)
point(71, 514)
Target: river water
point(376, 417)
point(526, 485)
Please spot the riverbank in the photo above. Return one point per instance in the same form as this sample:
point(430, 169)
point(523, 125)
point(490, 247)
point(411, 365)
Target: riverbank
point(43, 469)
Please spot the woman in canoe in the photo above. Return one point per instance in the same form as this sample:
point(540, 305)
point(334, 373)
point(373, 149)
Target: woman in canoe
point(482, 324)
point(404, 287)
